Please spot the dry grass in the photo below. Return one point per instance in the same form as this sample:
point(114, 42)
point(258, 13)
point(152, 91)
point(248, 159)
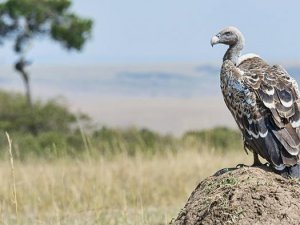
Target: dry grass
point(122, 190)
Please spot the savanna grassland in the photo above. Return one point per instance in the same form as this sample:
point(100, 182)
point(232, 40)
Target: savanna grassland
point(67, 171)
point(119, 190)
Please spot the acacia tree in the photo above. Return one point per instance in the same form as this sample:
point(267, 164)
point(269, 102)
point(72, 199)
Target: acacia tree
point(24, 20)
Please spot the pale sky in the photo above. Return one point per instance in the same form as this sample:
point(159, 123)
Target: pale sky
point(158, 31)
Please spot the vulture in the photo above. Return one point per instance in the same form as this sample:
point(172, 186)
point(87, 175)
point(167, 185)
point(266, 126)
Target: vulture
point(265, 103)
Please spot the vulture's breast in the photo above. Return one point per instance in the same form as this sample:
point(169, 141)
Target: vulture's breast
point(238, 98)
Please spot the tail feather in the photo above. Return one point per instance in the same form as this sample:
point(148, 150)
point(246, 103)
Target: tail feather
point(291, 171)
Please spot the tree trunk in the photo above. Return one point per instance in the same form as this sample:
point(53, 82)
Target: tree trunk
point(20, 67)
point(27, 89)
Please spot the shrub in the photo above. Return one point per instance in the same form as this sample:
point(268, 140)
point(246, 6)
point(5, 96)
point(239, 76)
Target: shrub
point(132, 141)
point(220, 138)
point(46, 129)
point(51, 130)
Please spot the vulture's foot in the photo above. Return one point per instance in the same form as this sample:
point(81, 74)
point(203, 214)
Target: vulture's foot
point(258, 163)
point(238, 166)
point(224, 170)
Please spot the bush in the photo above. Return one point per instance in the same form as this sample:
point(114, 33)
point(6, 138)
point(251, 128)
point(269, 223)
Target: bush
point(51, 130)
point(220, 138)
point(132, 141)
point(46, 129)
point(16, 116)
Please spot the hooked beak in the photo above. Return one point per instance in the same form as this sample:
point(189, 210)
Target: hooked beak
point(214, 40)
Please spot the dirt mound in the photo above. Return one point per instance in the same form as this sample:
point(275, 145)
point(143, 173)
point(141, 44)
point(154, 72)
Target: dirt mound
point(243, 196)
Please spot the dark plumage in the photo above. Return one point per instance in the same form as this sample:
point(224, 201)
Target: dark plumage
point(264, 101)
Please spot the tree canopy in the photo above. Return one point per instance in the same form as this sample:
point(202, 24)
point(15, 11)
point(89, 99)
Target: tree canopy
point(22, 20)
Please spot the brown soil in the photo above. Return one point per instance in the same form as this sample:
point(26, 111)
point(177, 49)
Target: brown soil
point(243, 196)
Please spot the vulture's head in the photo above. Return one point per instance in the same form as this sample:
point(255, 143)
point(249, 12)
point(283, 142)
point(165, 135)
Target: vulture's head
point(228, 36)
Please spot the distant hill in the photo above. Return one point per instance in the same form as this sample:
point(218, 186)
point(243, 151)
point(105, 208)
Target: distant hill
point(179, 80)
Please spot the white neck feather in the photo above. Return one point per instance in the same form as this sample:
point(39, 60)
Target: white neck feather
point(245, 57)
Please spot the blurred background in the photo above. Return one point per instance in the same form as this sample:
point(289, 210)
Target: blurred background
point(150, 64)
point(114, 92)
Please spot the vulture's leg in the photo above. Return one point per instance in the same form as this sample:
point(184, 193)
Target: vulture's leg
point(246, 148)
point(256, 160)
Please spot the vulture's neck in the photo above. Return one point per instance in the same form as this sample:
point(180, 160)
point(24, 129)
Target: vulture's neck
point(234, 52)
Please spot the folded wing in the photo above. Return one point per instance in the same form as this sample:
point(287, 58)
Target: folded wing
point(278, 109)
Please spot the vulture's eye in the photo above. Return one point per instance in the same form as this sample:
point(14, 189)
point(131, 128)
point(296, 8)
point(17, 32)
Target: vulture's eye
point(227, 33)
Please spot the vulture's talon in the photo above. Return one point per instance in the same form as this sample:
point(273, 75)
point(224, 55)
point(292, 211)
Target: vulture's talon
point(238, 166)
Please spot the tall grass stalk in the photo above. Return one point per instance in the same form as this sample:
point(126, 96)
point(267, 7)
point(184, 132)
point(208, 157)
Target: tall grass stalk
point(15, 200)
point(85, 139)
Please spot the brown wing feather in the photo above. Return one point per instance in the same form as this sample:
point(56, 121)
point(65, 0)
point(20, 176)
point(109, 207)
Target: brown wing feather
point(280, 96)
point(250, 114)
